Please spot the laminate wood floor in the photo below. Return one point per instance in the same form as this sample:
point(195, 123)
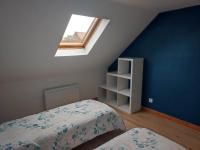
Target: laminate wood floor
point(185, 136)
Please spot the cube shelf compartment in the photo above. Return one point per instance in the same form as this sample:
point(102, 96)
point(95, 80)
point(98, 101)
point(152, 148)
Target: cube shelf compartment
point(123, 102)
point(102, 94)
point(112, 98)
point(123, 87)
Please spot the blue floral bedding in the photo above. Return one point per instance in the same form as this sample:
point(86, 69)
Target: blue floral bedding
point(140, 139)
point(61, 128)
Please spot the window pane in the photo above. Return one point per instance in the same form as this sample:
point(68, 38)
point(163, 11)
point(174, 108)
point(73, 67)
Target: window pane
point(77, 29)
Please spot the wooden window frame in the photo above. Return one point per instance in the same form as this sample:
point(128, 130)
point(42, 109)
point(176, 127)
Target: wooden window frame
point(91, 30)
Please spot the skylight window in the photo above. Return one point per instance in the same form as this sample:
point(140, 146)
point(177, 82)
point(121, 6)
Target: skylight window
point(79, 31)
point(80, 36)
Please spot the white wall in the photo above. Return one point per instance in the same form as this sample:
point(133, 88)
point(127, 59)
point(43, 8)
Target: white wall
point(30, 31)
point(21, 98)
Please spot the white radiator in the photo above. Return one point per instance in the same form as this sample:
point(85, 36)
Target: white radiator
point(58, 96)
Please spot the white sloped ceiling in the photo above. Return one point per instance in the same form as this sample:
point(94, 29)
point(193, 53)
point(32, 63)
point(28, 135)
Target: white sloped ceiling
point(30, 31)
point(160, 5)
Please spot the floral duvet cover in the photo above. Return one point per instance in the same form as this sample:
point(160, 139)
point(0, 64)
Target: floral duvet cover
point(140, 139)
point(61, 128)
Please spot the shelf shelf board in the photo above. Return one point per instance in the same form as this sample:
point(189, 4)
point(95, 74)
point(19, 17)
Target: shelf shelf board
point(113, 89)
point(115, 74)
point(126, 92)
point(126, 76)
point(103, 86)
point(126, 59)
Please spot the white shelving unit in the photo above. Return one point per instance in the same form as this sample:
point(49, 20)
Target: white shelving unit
point(123, 88)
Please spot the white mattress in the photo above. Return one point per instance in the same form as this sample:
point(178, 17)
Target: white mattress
point(61, 128)
point(140, 139)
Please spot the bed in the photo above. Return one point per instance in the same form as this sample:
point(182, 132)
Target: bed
point(61, 128)
point(140, 139)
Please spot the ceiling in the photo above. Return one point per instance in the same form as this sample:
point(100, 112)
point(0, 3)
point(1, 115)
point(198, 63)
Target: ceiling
point(30, 32)
point(160, 5)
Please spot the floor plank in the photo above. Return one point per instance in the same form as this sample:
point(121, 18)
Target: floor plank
point(185, 136)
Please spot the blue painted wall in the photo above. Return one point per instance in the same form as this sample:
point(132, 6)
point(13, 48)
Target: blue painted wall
point(171, 48)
